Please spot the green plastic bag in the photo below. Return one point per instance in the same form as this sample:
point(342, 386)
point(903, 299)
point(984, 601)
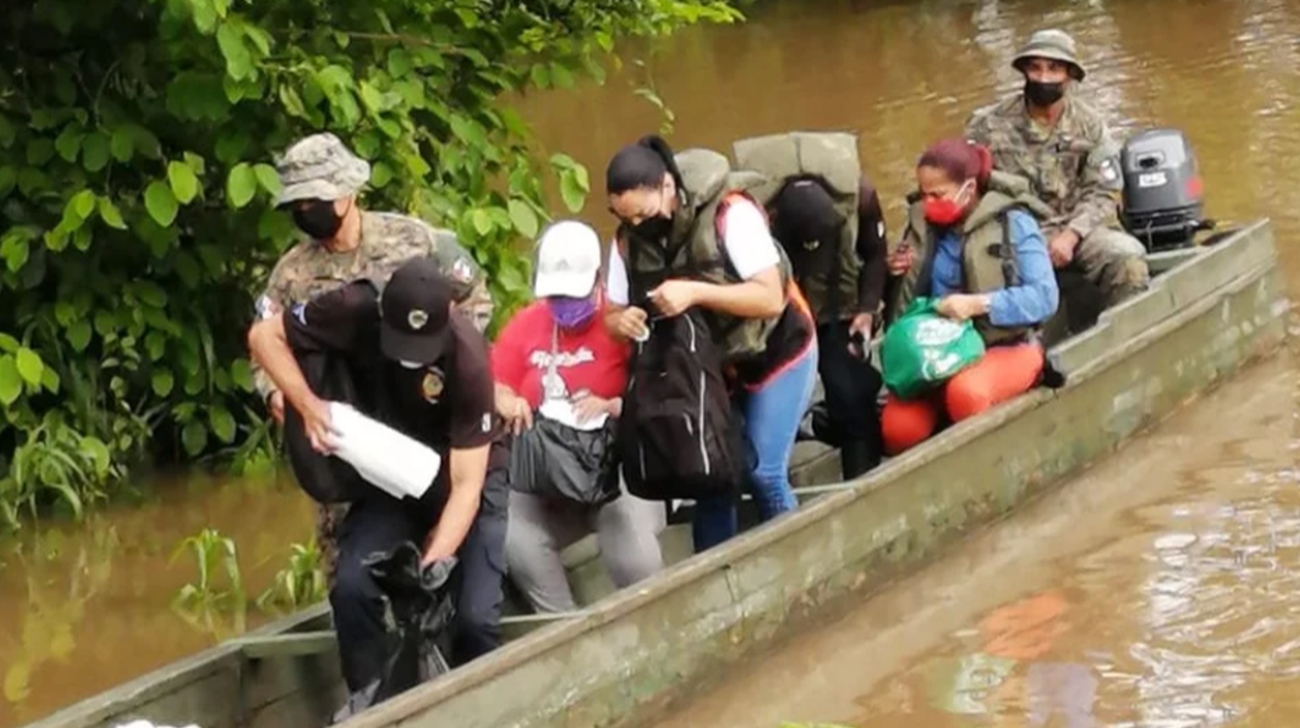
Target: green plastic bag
point(922, 350)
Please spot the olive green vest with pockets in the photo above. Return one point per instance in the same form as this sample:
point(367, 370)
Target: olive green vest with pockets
point(833, 158)
point(988, 258)
point(694, 251)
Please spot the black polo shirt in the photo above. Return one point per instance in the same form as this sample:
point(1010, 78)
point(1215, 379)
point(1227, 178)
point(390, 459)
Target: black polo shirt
point(447, 404)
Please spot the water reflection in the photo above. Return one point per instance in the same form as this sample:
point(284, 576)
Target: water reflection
point(91, 605)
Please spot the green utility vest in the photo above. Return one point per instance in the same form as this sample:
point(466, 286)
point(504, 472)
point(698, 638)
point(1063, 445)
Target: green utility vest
point(829, 280)
point(694, 250)
point(988, 258)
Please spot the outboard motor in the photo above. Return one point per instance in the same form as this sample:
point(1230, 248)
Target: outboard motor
point(1162, 190)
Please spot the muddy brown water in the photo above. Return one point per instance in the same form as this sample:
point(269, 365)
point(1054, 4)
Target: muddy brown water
point(1154, 591)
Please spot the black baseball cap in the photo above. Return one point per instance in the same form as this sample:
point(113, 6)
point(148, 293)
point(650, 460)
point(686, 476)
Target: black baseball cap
point(416, 311)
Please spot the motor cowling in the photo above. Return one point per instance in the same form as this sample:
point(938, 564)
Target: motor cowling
point(1162, 203)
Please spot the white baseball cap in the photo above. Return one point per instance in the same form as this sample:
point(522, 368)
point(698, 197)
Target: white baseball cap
point(568, 260)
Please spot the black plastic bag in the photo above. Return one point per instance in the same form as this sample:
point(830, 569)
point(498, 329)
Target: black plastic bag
point(420, 609)
point(553, 460)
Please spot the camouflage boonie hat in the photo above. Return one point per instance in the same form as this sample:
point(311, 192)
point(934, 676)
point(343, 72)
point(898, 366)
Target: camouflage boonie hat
point(320, 167)
point(1054, 44)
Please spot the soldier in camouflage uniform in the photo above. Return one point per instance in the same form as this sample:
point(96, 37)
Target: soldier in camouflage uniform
point(1063, 146)
point(320, 179)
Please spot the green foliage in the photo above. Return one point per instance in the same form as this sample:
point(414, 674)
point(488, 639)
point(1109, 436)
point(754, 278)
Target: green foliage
point(300, 583)
point(136, 225)
point(213, 554)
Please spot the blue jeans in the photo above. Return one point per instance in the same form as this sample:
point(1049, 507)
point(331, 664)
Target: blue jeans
point(772, 415)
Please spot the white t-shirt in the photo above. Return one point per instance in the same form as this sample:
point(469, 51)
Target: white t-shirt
point(746, 241)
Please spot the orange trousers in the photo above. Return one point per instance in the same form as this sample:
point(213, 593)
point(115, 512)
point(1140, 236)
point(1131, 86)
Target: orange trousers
point(1003, 373)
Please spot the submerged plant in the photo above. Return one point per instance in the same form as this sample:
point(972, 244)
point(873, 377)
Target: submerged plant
point(213, 553)
point(299, 584)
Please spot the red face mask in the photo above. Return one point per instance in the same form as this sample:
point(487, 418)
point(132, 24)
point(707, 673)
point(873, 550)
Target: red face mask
point(945, 211)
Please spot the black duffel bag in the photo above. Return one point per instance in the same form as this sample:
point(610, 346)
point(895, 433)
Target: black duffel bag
point(553, 460)
point(326, 478)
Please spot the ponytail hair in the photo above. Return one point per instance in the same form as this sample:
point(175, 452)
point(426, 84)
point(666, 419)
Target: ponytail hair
point(961, 160)
point(641, 165)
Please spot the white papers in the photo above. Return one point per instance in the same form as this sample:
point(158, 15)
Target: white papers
point(386, 458)
point(563, 412)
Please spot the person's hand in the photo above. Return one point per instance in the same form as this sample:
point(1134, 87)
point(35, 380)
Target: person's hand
point(515, 411)
point(672, 298)
point(631, 323)
point(962, 306)
point(1061, 248)
point(589, 407)
point(275, 404)
point(900, 261)
point(861, 324)
point(316, 421)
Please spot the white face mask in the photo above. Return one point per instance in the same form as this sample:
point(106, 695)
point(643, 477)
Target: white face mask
point(411, 364)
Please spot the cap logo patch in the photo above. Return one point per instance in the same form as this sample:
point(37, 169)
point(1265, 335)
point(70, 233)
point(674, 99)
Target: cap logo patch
point(811, 245)
point(431, 386)
point(461, 271)
point(417, 319)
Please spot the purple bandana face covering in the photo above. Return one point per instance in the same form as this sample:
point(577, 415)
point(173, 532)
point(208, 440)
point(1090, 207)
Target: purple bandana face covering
point(572, 313)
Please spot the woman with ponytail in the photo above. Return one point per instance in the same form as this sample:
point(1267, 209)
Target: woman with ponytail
point(688, 238)
point(973, 243)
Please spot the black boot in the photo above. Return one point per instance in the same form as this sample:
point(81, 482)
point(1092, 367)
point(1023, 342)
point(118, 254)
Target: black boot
point(857, 457)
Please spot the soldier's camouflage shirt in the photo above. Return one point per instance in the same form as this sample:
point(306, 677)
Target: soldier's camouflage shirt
point(387, 241)
point(1073, 167)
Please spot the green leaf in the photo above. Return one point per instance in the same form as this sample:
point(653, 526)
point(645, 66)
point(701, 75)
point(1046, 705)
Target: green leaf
point(69, 143)
point(381, 174)
point(562, 77)
point(292, 102)
point(79, 335)
point(205, 15)
point(122, 145)
point(242, 375)
point(8, 178)
point(523, 217)
point(39, 151)
point(30, 366)
point(399, 62)
point(161, 203)
point(239, 63)
point(94, 152)
point(541, 76)
point(50, 380)
point(223, 424)
point(150, 293)
point(109, 213)
point(15, 249)
point(8, 343)
point(267, 177)
point(163, 383)
point(83, 203)
point(194, 437)
point(231, 146)
point(241, 185)
point(11, 383)
point(97, 451)
point(144, 141)
point(184, 184)
point(481, 221)
point(571, 192)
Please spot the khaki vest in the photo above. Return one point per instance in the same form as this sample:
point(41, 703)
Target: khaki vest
point(831, 157)
point(694, 251)
point(988, 261)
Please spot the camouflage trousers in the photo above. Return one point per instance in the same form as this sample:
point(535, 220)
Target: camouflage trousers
point(328, 519)
point(1112, 260)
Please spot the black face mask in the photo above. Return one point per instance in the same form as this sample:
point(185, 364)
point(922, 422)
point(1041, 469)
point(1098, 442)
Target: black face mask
point(318, 219)
point(653, 228)
point(1044, 94)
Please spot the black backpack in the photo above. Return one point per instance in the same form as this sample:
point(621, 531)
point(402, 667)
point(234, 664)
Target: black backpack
point(678, 436)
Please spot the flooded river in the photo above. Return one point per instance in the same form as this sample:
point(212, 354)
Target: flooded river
point(1154, 592)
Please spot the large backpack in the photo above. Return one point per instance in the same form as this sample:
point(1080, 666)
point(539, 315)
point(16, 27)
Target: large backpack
point(678, 436)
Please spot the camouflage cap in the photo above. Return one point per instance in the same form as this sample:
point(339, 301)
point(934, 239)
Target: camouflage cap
point(320, 167)
point(1054, 44)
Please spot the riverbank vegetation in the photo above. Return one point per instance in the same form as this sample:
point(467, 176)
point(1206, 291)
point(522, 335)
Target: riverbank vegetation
point(137, 139)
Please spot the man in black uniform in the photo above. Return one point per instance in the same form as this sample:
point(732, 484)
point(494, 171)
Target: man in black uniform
point(425, 372)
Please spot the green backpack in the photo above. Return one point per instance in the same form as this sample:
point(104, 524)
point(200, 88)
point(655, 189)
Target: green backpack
point(922, 349)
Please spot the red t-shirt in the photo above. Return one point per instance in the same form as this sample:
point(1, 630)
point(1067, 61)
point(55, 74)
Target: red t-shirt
point(589, 360)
